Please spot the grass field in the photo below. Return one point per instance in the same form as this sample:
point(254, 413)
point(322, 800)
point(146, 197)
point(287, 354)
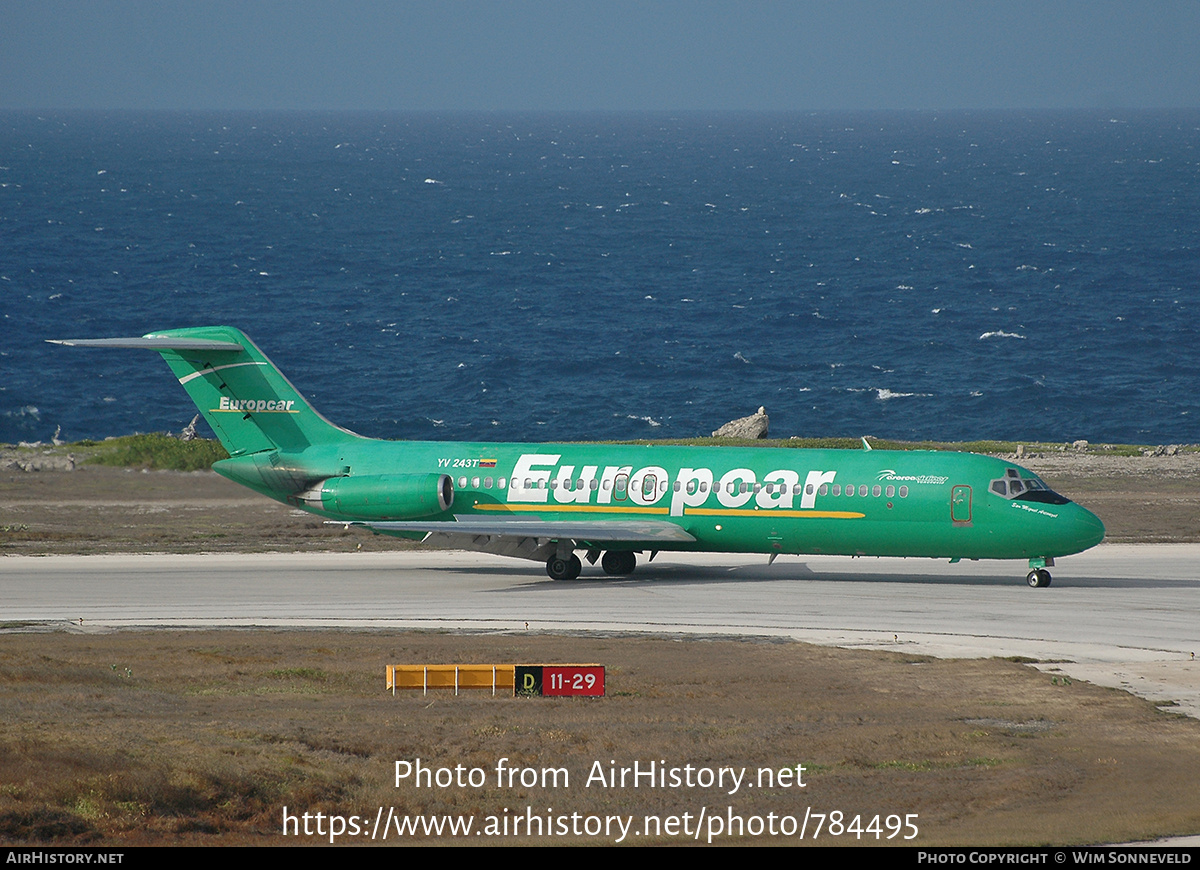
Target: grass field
point(203, 737)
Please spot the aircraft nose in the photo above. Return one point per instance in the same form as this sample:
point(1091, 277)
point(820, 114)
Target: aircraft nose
point(1086, 528)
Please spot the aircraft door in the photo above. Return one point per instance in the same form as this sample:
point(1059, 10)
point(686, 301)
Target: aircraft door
point(960, 505)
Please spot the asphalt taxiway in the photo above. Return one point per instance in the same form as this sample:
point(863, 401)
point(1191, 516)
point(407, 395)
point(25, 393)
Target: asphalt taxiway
point(1126, 616)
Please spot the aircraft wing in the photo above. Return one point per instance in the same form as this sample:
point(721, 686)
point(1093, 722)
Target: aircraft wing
point(629, 531)
point(532, 538)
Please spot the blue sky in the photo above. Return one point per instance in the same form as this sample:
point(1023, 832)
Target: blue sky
point(663, 55)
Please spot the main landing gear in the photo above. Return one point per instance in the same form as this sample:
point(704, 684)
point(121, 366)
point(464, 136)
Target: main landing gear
point(617, 563)
point(1038, 578)
point(563, 569)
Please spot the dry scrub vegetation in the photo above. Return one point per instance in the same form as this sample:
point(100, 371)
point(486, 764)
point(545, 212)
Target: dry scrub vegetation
point(203, 737)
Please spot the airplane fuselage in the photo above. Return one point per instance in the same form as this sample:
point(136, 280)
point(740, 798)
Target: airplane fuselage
point(545, 501)
point(730, 499)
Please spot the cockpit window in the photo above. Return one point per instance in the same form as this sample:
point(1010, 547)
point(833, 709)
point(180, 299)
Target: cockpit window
point(1013, 486)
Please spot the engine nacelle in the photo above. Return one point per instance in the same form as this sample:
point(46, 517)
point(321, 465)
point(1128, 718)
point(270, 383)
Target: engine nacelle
point(384, 496)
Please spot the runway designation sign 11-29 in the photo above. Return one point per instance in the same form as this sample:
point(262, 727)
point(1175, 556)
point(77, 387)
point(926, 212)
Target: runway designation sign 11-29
point(560, 680)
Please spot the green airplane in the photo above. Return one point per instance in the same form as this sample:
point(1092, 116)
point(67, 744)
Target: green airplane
point(547, 501)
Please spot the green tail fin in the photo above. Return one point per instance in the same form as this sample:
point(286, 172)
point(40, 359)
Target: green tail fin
point(260, 418)
point(248, 402)
point(250, 405)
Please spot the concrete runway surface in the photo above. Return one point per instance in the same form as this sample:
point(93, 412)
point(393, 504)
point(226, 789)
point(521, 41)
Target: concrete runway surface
point(1121, 615)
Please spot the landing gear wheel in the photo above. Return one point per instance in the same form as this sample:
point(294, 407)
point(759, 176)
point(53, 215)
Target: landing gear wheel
point(618, 563)
point(563, 569)
point(1038, 579)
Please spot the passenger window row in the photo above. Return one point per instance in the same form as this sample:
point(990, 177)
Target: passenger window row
point(621, 483)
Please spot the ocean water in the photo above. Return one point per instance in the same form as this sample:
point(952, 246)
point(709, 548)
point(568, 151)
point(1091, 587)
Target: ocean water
point(948, 275)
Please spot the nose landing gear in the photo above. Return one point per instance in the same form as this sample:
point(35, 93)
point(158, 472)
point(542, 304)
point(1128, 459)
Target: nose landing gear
point(1038, 578)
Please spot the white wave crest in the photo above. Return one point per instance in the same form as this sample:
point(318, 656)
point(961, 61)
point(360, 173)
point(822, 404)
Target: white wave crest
point(1000, 333)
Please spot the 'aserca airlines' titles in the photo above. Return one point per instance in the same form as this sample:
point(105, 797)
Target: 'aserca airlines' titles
point(538, 478)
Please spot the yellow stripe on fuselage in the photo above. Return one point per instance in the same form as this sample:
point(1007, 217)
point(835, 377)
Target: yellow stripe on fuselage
point(771, 512)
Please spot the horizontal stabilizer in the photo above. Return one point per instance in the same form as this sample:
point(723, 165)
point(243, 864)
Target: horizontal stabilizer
point(151, 342)
point(629, 531)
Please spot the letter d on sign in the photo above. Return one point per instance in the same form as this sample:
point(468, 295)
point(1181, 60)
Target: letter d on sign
point(528, 680)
